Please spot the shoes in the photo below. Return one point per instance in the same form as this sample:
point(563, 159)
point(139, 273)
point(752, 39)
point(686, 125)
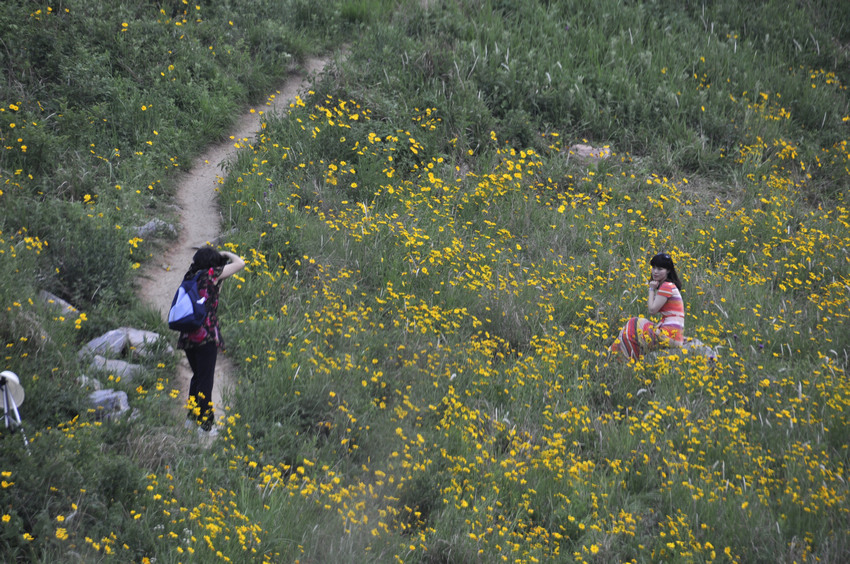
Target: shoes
point(210, 433)
point(192, 425)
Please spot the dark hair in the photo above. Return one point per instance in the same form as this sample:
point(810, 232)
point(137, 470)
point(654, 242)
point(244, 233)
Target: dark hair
point(663, 260)
point(205, 258)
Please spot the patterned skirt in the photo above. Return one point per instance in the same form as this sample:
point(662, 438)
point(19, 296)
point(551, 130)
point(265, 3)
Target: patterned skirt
point(640, 336)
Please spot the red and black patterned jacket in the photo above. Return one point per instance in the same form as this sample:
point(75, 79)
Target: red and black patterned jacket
point(209, 332)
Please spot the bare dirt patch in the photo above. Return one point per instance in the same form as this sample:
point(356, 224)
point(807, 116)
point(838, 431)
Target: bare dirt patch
point(200, 222)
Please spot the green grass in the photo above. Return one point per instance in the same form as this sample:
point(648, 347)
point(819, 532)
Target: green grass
point(433, 280)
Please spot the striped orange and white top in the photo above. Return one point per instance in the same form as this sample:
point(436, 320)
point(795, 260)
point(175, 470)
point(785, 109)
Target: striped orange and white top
point(672, 312)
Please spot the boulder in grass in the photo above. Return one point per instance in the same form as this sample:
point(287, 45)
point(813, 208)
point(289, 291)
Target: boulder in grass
point(109, 404)
point(118, 368)
point(111, 344)
point(692, 347)
point(153, 226)
point(143, 342)
point(587, 154)
point(88, 382)
point(114, 343)
point(58, 303)
point(697, 347)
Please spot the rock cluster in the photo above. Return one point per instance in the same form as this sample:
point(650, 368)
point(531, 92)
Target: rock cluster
point(106, 354)
point(103, 355)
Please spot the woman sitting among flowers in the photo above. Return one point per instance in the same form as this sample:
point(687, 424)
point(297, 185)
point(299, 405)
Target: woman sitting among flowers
point(640, 335)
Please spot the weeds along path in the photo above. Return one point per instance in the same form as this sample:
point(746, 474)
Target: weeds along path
point(200, 222)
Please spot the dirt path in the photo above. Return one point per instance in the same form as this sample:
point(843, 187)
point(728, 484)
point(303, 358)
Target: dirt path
point(200, 222)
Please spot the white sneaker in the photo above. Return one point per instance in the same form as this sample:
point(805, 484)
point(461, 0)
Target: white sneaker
point(211, 434)
point(189, 424)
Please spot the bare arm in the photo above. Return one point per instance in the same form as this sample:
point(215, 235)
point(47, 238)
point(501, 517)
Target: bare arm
point(235, 265)
point(655, 301)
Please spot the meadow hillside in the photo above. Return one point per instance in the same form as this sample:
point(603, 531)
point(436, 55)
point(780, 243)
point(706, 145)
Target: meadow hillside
point(433, 278)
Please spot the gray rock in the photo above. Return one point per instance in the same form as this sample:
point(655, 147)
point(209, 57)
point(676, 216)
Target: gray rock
point(88, 382)
point(587, 154)
point(58, 303)
point(111, 343)
point(691, 347)
point(120, 368)
point(109, 404)
point(695, 346)
point(153, 226)
point(142, 342)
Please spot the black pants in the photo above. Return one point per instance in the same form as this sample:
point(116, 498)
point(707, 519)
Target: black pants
point(202, 360)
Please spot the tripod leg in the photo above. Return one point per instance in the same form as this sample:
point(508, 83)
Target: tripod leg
point(17, 419)
point(21, 427)
point(6, 402)
point(7, 413)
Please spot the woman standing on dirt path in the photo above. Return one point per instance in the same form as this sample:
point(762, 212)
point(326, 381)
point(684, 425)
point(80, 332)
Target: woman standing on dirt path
point(640, 335)
point(202, 345)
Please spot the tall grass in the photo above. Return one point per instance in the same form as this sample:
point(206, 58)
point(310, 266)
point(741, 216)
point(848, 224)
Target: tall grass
point(433, 279)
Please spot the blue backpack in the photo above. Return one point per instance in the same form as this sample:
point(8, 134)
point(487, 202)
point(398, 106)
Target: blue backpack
point(187, 311)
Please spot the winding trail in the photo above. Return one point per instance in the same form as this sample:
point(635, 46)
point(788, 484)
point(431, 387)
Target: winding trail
point(200, 223)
